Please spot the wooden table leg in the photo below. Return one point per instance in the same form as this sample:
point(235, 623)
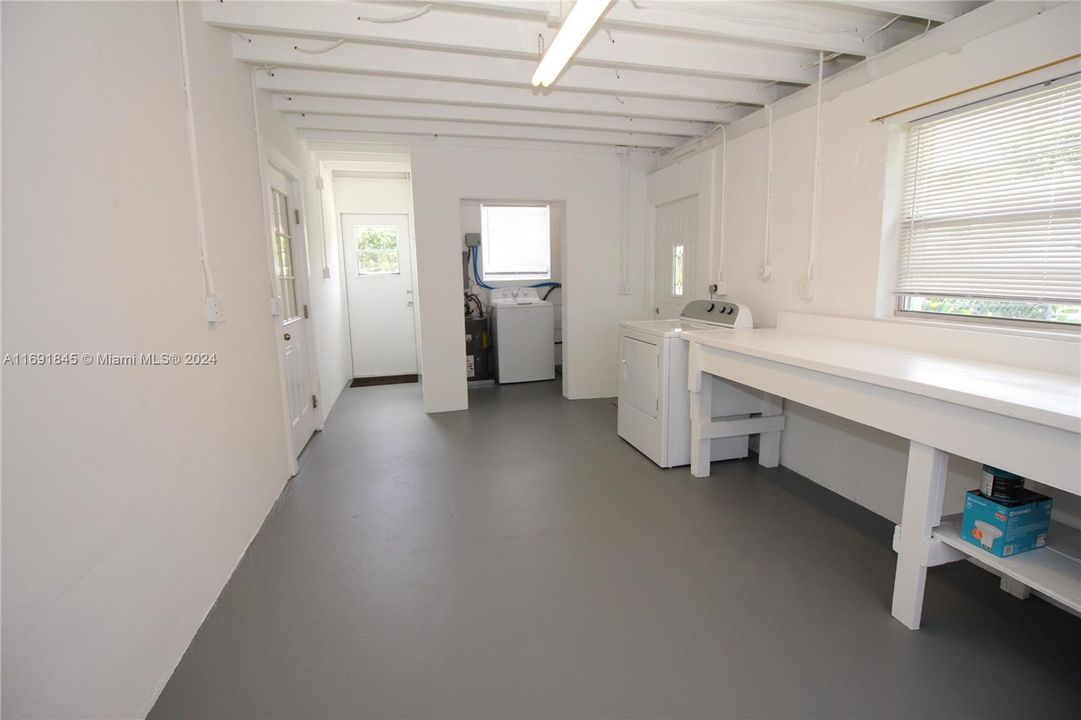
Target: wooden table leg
point(925, 485)
point(769, 443)
point(701, 415)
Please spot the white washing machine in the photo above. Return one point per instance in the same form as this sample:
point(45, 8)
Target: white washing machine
point(654, 403)
point(523, 333)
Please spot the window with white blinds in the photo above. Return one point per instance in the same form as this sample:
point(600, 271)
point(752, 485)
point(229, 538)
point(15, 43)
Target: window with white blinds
point(516, 242)
point(991, 208)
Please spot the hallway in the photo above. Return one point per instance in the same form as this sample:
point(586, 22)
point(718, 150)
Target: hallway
point(519, 560)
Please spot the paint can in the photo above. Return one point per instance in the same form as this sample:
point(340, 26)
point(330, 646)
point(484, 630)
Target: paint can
point(1001, 485)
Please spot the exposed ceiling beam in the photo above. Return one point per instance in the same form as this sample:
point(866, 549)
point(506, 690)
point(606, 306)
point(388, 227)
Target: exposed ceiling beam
point(469, 33)
point(348, 145)
point(767, 23)
point(347, 129)
point(314, 105)
point(936, 10)
point(313, 82)
point(830, 29)
point(410, 62)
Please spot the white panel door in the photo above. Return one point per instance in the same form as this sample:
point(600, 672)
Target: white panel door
point(676, 232)
point(639, 375)
point(379, 283)
point(290, 261)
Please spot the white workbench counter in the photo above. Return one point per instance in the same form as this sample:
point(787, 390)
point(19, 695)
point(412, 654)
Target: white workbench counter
point(1024, 421)
point(1040, 397)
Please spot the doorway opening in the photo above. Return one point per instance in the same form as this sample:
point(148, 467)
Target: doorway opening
point(512, 270)
point(373, 204)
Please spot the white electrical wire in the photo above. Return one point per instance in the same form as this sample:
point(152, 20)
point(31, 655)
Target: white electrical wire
point(724, 203)
point(319, 183)
point(765, 271)
point(894, 19)
point(817, 181)
point(319, 51)
point(397, 18)
point(264, 182)
point(831, 56)
point(193, 153)
point(624, 221)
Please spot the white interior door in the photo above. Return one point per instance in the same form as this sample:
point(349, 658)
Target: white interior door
point(379, 283)
point(289, 262)
point(675, 235)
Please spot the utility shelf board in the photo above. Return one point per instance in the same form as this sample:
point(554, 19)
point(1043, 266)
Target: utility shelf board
point(1054, 571)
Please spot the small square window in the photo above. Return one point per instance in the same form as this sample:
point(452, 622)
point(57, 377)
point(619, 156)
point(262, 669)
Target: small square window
point(516, 242)
point(377, 250)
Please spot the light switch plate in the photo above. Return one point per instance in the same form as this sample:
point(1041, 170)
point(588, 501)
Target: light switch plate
point(215, 312)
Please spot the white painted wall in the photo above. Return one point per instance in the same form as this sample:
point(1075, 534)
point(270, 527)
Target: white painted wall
point(588, 182)
point(861, 464)
point(364, 195)
point(471, 223)
point(330, 318)
point(129, 493)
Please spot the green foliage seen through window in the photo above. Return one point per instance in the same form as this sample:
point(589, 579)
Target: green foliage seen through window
point(377, 250)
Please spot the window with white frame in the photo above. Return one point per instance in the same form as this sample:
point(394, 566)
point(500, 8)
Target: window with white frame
point(677, 270)
point(515, 242)
point(377, 250)
point(991, 209)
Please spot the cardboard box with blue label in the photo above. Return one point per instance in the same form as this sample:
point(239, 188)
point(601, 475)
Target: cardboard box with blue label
point(1006, 528)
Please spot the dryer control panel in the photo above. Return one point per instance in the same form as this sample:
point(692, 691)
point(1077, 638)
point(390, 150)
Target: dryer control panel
point(718, 312)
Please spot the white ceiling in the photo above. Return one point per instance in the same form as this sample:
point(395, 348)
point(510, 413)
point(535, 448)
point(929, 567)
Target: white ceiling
point(655, 74)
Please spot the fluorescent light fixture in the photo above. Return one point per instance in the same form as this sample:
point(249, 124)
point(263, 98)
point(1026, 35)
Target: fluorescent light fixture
point(577, 25)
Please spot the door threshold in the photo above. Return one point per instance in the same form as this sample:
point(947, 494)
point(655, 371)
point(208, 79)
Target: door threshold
point(384, 380)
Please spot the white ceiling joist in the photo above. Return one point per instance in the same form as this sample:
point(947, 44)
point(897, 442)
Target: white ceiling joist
point(936, 10)
point(599, 80)
point(296, 81)
point(351, 129)
point(830, 29)
point(654, 73)
point(468, 35)
point(316, 105)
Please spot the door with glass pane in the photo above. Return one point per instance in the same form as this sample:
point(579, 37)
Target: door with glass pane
point(676, 232)
point(379, 282)
point(289, 262)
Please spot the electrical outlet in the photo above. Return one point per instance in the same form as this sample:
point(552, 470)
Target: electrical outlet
point(275, 306)
point(215, 311)
point(764, 272)
point(807, 289)
point(625, 288)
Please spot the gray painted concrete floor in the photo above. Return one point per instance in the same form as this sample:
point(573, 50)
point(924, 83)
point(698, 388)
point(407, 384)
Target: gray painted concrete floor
point(519, 560)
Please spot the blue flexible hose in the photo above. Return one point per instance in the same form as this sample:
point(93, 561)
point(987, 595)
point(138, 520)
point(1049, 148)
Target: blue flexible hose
point(481, 283)
point(476, 273)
